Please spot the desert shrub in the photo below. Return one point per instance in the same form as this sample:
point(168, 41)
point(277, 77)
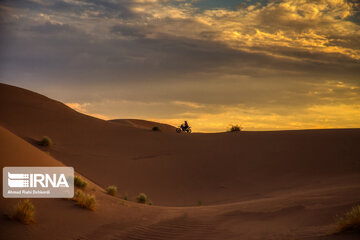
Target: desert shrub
point(46, 142)
point(77, 194)
point(156, 128)
point(199, 203)
point(150, 202)
point(111, 190)
point(24, 212)
point(80, 182)
point(350, 221)
point(235, 128)
point(85, 200)
point(141, 198)
point(126, 197)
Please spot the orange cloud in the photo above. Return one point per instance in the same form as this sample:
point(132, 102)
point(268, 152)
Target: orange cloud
point(82, 108)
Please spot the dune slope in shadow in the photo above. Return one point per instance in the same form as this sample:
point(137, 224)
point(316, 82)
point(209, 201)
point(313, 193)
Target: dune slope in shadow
point(290, 214)
point(178, 169)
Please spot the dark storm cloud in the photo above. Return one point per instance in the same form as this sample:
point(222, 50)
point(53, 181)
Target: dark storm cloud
point(22, 4)
point(53, 28)
point(154, 49)
point(128, 30)
point(111, 9)
point(171, 54)
point(166, 54)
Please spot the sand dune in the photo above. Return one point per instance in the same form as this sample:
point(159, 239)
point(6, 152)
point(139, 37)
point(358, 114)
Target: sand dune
point(17, 152)
point(138, 123)
point(55, 218)
point(257, 185)
point(177, 169)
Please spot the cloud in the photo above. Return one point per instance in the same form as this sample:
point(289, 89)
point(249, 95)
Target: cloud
point(206, 120)
point(293, 35)
point(328, 105)
point(82, 108)
point(52, 28)
point(262, 61)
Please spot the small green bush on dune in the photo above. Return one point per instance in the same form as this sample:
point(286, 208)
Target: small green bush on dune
point(85, 200)
point(199, 203)
point(350, 221)
point(24, 212)
point(80, 182)
point(126, 197)
point(111, 190)
point(46, 142)
point(142, 198)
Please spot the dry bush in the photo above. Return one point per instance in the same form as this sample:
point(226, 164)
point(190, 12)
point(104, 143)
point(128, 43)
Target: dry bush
point(46, 142)
point(126, 197)
point(350, 221)
point(111, 190)
point(235, 128)
point(142, 198)
point(80, 182)
point(156, 128)
point(24, 212)
point(85, 200)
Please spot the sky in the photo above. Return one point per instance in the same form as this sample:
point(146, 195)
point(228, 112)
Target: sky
point(264, 65)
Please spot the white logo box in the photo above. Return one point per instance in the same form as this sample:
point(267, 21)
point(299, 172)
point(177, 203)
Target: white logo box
point(38, 182)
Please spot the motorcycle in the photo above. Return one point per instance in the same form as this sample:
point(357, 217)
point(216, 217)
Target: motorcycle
point(183, 129)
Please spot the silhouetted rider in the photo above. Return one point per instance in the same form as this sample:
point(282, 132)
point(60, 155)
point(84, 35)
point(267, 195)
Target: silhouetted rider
point(184, 126)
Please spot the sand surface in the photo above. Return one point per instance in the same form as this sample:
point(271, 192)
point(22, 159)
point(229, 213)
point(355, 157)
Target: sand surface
point(253, 185)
